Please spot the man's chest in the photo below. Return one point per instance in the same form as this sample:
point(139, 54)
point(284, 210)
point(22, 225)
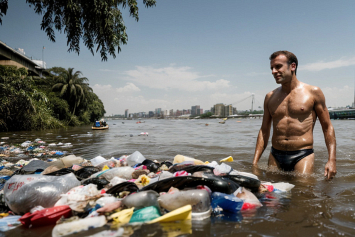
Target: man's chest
point(294, 105)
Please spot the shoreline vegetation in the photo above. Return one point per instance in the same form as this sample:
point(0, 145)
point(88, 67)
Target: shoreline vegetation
point(61, 98)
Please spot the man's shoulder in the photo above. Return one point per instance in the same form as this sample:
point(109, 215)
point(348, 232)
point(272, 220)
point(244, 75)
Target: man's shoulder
point(315, 91)
point(311, 88)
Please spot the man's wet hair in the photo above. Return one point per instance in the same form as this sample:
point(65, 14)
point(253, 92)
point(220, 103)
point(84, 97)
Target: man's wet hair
point(291, 58)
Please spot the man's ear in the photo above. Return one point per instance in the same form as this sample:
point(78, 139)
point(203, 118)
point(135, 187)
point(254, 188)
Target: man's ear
point(293, 67)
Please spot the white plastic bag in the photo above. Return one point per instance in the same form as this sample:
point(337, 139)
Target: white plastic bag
point(79, 197)
point(77, 226)
point(97, 160)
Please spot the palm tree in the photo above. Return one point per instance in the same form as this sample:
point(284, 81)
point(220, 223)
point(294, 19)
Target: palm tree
point(72, 86)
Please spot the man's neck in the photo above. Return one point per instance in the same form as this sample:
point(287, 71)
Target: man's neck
point(289, 86)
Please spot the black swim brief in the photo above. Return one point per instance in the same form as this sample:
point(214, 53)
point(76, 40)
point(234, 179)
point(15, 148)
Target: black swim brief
point(288, 159)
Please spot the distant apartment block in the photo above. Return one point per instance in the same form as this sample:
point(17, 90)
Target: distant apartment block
point(195, 110)
point(158, 112)
point(126, 113)
point(222, 110)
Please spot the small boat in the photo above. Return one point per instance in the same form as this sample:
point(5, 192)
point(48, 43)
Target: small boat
point(100, 128)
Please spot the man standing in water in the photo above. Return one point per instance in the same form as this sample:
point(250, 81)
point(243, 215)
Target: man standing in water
point(293, 109)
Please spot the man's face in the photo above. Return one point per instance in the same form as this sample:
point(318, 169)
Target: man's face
point(281, 71)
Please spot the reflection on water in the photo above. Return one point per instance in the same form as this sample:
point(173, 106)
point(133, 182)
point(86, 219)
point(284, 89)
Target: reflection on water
point(315, 207)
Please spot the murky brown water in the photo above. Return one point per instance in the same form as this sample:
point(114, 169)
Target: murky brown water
point(315, 207)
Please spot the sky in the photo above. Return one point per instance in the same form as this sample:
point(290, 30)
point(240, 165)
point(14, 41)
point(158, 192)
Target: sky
point(183, 53)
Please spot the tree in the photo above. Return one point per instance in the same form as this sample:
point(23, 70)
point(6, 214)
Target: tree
point(72, 87)
point(98, 22)
point(22, 106)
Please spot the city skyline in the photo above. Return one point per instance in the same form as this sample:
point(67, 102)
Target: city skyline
point(204, 53)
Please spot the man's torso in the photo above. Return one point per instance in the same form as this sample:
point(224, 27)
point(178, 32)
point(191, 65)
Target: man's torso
point(293, 118)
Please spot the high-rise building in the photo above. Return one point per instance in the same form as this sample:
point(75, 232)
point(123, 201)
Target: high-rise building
point(158, 112)
point(219, 109)
point(201, 111)
point(151, 114)
point(195, 110)
point(228, 110)
point(126, 113)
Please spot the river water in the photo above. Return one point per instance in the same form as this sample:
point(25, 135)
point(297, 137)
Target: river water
point(315, 207)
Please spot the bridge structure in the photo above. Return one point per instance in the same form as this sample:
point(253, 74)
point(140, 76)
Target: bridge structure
point(342, 114)
point(10, 57)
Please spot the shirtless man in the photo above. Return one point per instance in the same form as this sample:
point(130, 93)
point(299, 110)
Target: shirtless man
point(293, 109)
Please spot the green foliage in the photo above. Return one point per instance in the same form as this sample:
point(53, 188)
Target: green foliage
point(28, 103)
point(3, 8)
point(22, 106)
point(98, 22)
point(72, 87)
point(206, 115)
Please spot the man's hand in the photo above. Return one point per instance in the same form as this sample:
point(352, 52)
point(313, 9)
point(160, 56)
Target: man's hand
point(330, 170)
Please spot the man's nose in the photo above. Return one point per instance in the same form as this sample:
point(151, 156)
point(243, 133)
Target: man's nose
point(273, 70)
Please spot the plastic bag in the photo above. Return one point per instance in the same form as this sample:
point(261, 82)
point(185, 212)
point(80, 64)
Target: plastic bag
point(145, 214)
point(79, 197)
point(122, 172)
point(279, 187)
point(77, 226)
point(250, 200)
point(134, 158)
point(97, 160)
point(23, 192)
point(228, 202)
point(9, 222)
point(222, 169)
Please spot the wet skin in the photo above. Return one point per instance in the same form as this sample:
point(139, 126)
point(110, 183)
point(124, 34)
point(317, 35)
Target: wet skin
point(293, 109)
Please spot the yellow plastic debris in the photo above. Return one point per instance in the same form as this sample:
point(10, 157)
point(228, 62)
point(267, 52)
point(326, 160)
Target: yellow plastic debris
point(181, 158)
point(3, 215)
point(207, 162)
point(180, 214)
point(228, 159)
point(122, 217)
point(105, 167)
point(173, 229)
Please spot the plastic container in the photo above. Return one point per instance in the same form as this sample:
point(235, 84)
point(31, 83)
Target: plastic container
point(48, 216)
point(228, 202)
point(134, 158)
point(199, 200)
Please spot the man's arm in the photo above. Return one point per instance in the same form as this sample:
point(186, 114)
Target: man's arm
point(328, 131)
point(264, 132)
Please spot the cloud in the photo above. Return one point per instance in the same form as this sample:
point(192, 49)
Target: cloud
point(181, 78)
point(338, 97)
point(129, 87)
point(107, 70)
point(343, 62)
